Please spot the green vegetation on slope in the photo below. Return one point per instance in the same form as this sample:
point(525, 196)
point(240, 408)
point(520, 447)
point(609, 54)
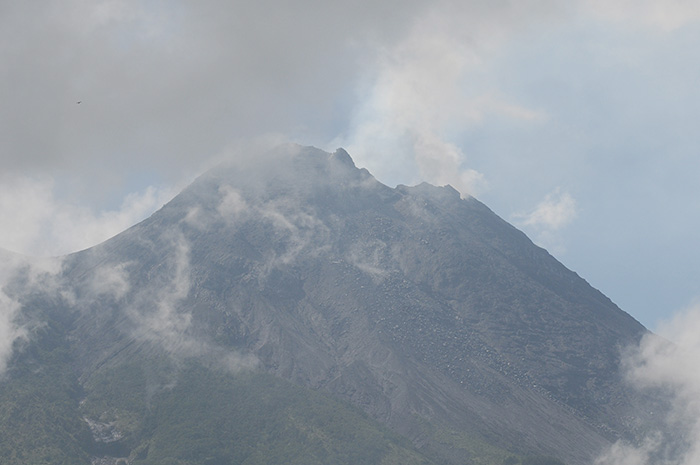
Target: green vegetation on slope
point(203, 416)
point(39, 419)
point(157, 412)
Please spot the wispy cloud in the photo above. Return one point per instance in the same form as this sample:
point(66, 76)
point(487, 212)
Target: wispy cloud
point(10, 331)
point(295, 230)
point(157, 308)
point(160, 309)
point(556, 211)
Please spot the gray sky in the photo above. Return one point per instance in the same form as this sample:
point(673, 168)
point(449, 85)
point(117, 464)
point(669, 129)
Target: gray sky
point(574, 120)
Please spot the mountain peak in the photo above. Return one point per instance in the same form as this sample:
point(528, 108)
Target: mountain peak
point(287, 164)
point(344, 157)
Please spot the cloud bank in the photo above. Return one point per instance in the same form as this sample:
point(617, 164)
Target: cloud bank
point(503, 100)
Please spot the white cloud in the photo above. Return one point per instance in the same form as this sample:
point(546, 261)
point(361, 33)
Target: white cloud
point(625, 454)
point(10, 331)
point(42, 224)
point(667, 364)
point(110, 280)
point(557, 210)
point(232, 203)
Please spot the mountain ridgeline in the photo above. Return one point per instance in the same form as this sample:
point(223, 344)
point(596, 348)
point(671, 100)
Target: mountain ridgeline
point(290, 308)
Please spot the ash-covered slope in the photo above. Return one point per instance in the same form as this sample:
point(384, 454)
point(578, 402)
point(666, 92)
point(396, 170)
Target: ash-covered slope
point(426, 310)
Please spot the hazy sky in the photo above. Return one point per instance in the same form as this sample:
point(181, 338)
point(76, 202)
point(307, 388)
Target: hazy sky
point(574, 120)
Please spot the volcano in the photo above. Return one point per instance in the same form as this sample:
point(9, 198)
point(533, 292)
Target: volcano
point(287, 307)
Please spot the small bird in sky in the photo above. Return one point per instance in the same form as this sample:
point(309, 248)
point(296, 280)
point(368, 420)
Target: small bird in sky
point(79, 102)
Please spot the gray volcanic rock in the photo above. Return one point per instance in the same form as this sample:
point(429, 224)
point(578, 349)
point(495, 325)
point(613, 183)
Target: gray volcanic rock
point(426, 310)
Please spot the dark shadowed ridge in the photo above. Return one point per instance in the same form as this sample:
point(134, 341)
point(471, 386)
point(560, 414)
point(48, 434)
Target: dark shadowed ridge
point(427, 311)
